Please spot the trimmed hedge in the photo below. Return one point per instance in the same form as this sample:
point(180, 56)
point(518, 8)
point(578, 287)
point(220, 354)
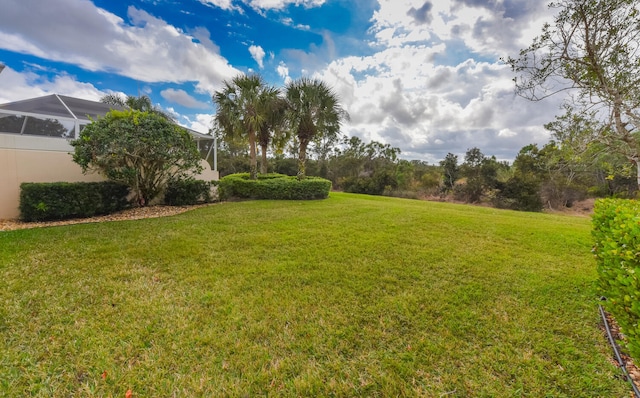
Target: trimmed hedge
point(64, 200)
point(188, 192)
point(273, 186)
point(616, 234)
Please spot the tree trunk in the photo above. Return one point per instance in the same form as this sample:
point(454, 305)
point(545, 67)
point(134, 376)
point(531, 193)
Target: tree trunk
point(263, 164)
point(253, 161)
point(302, 161)
point(637, 162)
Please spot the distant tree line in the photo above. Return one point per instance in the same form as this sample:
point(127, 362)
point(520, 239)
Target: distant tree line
point(572, 166)
point(556, 175)
point(296, 130)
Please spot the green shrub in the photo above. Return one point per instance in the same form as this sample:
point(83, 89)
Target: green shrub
point(519, 193)
point(143, 150)
point(273, 186)
point(376, 184)
point(63, 200)
point(616, 234)
point(187, 192)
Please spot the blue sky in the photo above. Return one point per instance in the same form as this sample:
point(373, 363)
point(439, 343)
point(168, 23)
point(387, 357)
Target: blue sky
point(424, 76)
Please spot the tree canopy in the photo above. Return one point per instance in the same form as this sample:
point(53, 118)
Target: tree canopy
point(313, 110)
point(140, 149)
point(590, 50)
point(245, 108)
point(249, 110)
point(450, 170)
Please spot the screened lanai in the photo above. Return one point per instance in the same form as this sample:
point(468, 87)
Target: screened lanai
point(64, 117)
point(52, 116)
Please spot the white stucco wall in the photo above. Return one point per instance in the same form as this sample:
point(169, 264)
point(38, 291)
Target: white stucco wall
point(26, 158)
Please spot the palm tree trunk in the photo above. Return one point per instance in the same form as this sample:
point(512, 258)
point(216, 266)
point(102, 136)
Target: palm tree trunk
point(263, 164)
point(302, 161)
point(253, 161)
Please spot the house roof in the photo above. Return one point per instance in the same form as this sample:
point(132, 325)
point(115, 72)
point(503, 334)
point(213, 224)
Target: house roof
point(60, 106)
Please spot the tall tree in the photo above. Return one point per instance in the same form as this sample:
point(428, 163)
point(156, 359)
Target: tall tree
point(450, 170)
point(371, 168)
point(482, 174)
point(591, 49)
point(586, 161)
point(521, 191)
point(271, 130)
point(313, 110)
point(565, 176)
point(352, 156)
point(472, 170)
point(241, 111)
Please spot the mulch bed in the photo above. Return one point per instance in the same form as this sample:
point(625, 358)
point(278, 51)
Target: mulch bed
point(136, 213)
point(632, 369)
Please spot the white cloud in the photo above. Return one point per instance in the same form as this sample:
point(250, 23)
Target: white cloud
point(148, 49)
point(283, 71)
point(171, 111)
point(262, 5)
point(223, 4)
point(201, 122)
point(399, 96)
point(183, 98)
point(421, 88)
point(506, 133)
point(18, 86)
point(493, 28)
point(257, 53)
point(289, 22)
point(281, 4)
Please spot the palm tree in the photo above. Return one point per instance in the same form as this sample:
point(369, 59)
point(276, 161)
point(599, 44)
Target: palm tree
point(273, 107)
point(313, 111)
point(243, 109)
point(142, 103)
point(114, 99)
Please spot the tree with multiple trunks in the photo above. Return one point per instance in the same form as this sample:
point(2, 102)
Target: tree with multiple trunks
point(309, 111)
point(591, 51)
point(244, 107)
point(272, 130)
point(313, 110)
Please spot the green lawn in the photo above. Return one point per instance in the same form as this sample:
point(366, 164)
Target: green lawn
point(348, 296)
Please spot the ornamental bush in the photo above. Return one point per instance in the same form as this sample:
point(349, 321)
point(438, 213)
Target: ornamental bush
point(616, 235)
point(64, 200)
point(188, 192)
point(273, 186)
point(140, 149)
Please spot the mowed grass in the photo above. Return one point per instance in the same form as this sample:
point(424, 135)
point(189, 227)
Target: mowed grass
point(348, 296)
